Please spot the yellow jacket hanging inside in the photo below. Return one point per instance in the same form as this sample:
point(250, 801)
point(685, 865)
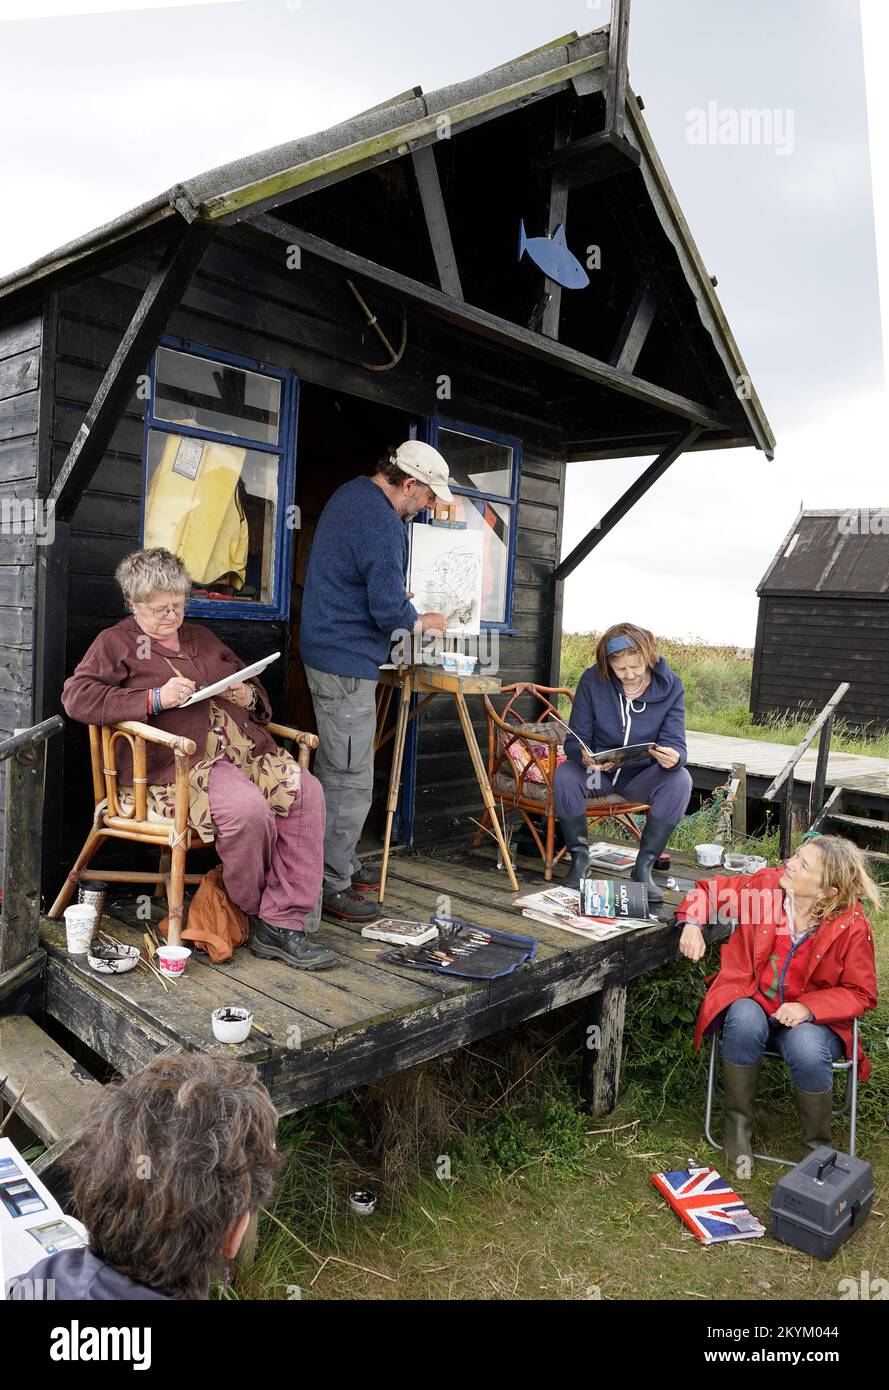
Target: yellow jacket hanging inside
point(193, 508)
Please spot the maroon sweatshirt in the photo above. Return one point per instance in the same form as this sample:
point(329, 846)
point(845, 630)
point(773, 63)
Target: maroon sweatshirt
point(114, 677)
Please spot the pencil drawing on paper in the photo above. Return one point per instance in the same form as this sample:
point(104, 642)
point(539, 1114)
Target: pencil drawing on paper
point(446, 575)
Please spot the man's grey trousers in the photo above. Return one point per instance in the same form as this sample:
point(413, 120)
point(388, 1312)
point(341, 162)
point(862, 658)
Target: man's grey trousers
point(345, 713)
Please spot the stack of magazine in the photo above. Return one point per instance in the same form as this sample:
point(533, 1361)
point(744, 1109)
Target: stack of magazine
point(609, 908)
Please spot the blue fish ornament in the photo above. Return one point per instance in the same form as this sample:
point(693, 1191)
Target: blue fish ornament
point(551, 255)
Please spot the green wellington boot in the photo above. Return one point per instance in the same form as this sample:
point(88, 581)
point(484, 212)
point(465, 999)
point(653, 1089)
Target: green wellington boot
point(815, 1112)
point(739, 1083)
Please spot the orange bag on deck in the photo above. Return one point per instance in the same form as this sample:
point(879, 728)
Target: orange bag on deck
point(214, 924)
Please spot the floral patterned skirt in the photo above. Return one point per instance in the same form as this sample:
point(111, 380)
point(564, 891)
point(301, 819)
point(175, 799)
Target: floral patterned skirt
point(275, 774)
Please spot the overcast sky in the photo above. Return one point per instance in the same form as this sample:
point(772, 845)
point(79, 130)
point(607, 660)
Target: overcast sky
point(102, 110)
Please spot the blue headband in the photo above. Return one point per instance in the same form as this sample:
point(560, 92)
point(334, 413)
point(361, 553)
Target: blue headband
point(618, 644)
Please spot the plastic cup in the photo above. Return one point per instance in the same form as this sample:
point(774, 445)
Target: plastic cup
point(80, 923)
point(172, 960)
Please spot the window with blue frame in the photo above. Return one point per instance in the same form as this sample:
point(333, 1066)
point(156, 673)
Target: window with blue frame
point(484, 469)
point(219, 451)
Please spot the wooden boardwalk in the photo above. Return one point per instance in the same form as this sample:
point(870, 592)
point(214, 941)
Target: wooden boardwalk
point(717, 753)
point(364, 1018)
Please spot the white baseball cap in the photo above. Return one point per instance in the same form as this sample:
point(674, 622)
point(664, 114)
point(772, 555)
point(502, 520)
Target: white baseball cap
point(421, 461)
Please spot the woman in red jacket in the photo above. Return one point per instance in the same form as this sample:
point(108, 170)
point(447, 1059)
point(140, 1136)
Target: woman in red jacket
point(798, 968)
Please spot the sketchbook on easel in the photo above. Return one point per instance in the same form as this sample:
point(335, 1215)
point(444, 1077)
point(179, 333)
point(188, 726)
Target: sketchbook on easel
point(446, 576)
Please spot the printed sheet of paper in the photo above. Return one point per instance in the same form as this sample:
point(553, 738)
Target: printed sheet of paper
point(446, 576)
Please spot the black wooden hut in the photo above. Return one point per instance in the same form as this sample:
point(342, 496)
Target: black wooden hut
point(824, 618)
point(308, 304)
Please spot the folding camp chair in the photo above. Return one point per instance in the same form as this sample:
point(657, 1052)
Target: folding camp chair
point(849, 1105)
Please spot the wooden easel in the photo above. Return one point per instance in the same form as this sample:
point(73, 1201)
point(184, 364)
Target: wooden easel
point(431, 681)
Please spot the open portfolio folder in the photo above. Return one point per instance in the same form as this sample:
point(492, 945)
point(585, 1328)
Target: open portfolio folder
point(32, 1224)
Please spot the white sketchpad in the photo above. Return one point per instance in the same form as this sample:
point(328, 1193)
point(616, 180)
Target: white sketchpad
point(218, 687)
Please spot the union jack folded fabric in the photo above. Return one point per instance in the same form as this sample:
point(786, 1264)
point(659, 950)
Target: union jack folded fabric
point(708, 1205)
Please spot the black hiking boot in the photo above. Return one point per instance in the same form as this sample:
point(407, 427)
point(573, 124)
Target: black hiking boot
point(367, 879)
point(349, 906)
point(291, 947)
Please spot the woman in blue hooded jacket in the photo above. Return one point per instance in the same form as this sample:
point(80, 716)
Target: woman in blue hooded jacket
point(629, 696)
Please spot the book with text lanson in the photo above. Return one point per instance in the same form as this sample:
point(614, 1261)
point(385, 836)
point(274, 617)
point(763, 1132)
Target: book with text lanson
point(613, 898)
point(708, 1205)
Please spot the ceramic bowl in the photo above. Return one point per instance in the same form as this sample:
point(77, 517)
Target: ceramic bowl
point(113, 960)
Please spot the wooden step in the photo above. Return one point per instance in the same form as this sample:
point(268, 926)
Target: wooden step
point(58, 1092)
point(863, 822)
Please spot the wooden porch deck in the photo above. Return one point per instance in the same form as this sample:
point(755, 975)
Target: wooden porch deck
point(364, 1018)
point(716, 753)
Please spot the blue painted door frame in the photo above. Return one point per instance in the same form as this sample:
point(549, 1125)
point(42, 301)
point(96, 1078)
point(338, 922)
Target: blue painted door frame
point(403, 821)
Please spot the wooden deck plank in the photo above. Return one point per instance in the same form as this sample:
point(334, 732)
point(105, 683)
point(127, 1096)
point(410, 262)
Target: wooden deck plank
point(58, 1093)
point(184, 1009)
point(440, 876)
point(426, 888)
point(409, 1018)
point(336, 998)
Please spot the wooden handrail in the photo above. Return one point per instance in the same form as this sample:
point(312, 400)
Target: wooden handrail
point(29, 738)
point(807, 740)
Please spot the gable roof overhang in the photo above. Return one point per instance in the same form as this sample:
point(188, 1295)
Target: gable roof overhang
point(245, 188)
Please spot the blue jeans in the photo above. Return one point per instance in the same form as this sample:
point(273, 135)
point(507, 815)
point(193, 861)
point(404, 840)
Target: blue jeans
point(809, 1049)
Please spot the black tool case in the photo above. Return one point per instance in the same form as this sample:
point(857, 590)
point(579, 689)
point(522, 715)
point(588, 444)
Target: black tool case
point(821, 1202)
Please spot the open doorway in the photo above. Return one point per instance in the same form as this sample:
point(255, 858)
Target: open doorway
point(339, 437)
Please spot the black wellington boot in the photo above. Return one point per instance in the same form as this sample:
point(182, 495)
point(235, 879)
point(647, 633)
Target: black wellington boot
point(574, 831)
point(654, 837)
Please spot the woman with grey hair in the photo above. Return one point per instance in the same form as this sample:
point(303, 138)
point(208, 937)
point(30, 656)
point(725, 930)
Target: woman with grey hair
point(265, 813)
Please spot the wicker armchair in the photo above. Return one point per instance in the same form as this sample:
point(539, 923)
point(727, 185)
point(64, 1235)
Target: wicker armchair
point(522, 762)
point(173, 838)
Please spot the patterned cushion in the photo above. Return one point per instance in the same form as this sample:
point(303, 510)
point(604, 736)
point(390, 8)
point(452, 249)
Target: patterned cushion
point(521, 757)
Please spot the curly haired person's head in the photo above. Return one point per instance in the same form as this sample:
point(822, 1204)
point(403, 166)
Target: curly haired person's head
point(169, 1164)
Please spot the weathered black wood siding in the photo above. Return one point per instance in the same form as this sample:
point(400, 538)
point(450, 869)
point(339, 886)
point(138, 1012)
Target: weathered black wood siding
point(806, 646)
point(20, 385)
point(244, 300)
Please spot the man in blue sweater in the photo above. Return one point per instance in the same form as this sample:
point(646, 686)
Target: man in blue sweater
point(354, 605)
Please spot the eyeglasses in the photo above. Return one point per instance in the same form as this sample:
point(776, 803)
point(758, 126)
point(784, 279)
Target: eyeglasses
point(174, 608)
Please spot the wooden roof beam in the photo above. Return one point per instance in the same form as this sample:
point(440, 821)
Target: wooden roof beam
point(593, 158)
point(634, 331)
point(557, 215)
point(436, 216)
point(161, 296)
point(487, 325)
point(616, 84)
